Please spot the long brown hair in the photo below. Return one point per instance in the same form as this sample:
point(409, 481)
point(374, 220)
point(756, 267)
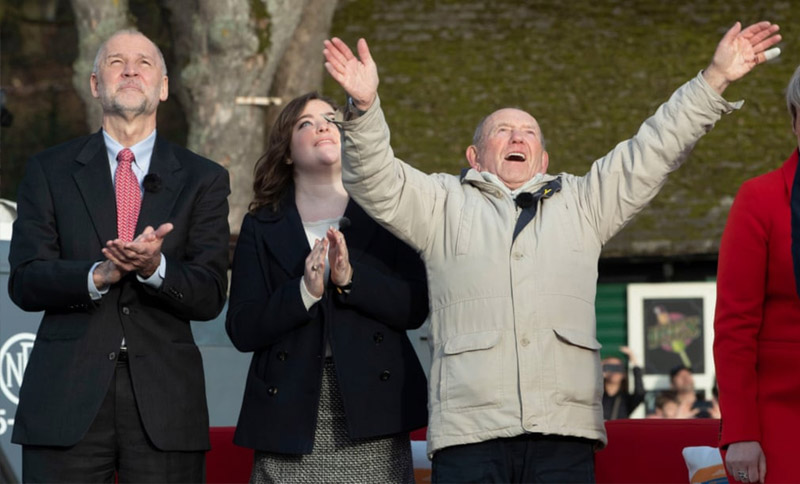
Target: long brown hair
point(273, 172)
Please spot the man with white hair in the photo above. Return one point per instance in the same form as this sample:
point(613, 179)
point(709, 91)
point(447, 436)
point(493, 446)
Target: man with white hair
point(121, 239)
point(511, 253)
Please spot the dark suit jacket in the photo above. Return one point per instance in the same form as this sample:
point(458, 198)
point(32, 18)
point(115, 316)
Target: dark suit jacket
point(66, 213)
point(382, 383)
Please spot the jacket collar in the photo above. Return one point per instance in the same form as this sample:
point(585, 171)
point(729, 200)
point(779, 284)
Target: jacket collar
point(160, 197)
point(473, 177)
point(282, 231)
point(94, 182)
point(788, 170)
point(361, 229)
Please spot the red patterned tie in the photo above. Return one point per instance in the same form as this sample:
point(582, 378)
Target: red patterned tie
point(129, 196)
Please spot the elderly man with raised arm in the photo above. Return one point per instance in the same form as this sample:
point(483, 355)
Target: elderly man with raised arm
point(511, 254)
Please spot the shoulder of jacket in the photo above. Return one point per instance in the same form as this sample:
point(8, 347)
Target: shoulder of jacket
point(62, 151)
point(761, 185)
point(193, 160)
point(568, 178)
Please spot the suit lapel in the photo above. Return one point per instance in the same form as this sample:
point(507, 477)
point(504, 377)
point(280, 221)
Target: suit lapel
point(788, 170)
point(794, 205)
point(360, 232)
point(160, 197)
point(282, 232)
point(97, 188)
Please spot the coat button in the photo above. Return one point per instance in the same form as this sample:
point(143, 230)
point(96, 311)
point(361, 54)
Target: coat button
point(517, 255)
point(126, 310)
point(272, 391)
point(282, 355)
point(385, 374)
point(378, 337)
point(112, 355)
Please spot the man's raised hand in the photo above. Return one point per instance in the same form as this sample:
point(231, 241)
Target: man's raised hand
point(358, 76)
point(740, 51)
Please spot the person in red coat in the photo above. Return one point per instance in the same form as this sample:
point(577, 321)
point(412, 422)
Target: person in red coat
point(757, 323)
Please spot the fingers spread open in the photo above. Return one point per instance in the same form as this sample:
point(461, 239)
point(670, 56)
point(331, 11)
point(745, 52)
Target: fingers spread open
point(755, 28)
point(342, 48)
point(732, 33)
point(363, 51)
point(334, 54)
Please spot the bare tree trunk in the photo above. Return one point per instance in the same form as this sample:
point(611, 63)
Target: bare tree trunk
point(301, 69)
point(95, 20)
point(232, 48)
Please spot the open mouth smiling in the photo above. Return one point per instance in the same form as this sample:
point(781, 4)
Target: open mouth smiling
point(515, 156)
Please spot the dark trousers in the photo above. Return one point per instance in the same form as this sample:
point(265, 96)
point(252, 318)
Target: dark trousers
point(525, 458)
point(116, 444)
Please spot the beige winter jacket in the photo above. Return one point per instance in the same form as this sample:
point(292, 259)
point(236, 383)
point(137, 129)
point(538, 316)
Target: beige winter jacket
point(513, 339)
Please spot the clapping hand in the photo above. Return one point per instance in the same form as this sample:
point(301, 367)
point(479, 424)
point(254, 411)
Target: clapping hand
point(314, 275)
point(142, 255)
point(341, 270)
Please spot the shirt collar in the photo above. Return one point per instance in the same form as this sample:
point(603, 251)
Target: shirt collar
point(143, 150)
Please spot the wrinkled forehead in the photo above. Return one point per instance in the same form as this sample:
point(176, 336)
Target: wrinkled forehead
point(128, 43)
point(512, 117)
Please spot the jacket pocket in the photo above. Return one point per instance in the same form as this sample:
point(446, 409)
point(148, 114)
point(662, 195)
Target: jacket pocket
point(577, 364)
point(472, 371)
point(572, 236)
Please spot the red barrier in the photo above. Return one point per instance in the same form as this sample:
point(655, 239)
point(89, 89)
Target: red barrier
point(639, 451)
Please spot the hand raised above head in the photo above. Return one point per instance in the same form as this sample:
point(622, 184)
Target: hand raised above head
point(630, 354)
point(358, 76)
point(739, 51)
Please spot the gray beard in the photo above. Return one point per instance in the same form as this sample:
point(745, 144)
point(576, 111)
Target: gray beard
point(117, 108)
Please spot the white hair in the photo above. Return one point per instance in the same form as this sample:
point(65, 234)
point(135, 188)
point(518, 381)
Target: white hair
point(793, 95)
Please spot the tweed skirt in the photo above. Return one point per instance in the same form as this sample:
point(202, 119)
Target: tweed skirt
point(335, 457)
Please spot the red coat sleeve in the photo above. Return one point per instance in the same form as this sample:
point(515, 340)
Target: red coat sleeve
point(741, 283)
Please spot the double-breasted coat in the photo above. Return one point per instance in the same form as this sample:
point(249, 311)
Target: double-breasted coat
point(382, 384)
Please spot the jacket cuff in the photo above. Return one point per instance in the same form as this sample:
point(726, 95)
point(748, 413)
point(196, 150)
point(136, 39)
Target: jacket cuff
point(716, 100)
